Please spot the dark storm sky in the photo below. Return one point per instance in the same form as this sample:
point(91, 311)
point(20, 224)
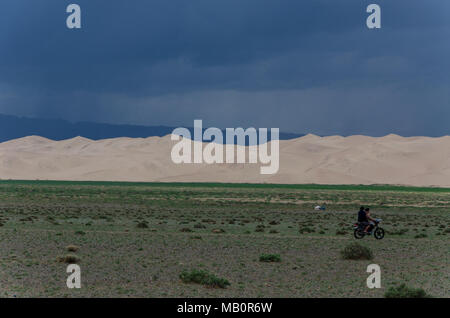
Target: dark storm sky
point(303, 66)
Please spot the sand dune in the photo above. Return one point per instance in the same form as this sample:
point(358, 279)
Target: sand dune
point(418, 161)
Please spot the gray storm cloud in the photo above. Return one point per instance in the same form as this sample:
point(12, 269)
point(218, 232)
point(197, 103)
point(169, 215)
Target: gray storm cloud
point(302, 66)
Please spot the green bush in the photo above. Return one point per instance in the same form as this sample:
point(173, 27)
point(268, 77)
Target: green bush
point(260, 228)
point(142, 225)
point(306, 229)
point(204, 278)
point(356, 251)
point(72, 248)
point(270, 258)
point(404, 291)
point(69, 259)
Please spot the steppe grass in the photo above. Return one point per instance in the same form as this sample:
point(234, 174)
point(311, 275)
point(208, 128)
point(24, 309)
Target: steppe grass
point(227, 229)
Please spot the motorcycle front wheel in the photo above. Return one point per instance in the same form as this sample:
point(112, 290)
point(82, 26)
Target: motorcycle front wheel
point(379, 233)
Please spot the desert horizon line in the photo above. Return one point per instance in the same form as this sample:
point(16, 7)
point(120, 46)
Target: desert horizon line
point(15, 126)
point(205, 141)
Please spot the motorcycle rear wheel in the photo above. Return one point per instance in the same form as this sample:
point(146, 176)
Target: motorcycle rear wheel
point(358, 234)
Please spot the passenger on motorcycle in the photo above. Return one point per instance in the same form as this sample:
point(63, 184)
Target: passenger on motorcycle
point(365, 219)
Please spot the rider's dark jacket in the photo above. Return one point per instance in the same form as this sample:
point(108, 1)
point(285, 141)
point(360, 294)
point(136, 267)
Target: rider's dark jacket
point(362, 217)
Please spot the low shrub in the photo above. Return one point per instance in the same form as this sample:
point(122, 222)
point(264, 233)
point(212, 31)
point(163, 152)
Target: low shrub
point(72, 248)
point(260, 228)
point(306, 229)
point(404, 291)
point(356, 251)
point(69, 259)
point(204, 278)
point(142, 225)
point(270, 258)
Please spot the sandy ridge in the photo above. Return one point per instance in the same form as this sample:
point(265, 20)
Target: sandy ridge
point(392, 159)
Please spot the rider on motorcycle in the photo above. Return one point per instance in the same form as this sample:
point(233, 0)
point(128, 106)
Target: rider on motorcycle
point(365, 219)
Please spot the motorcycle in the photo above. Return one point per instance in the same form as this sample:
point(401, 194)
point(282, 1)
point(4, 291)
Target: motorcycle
point(377, 231)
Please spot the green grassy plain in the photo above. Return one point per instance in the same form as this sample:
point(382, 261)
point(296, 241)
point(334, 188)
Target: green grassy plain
point(135, 239)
